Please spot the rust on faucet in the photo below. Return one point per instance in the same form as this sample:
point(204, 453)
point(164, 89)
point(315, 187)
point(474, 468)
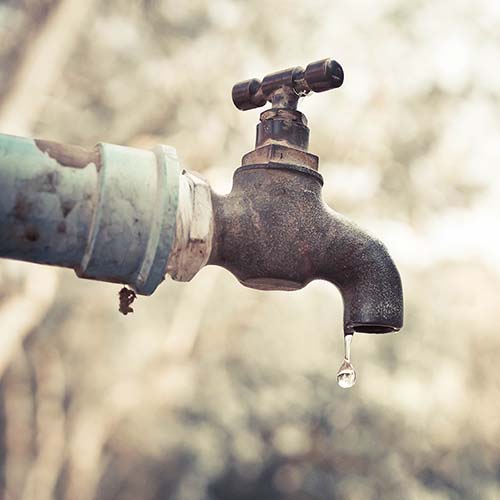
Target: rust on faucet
point(273, 231)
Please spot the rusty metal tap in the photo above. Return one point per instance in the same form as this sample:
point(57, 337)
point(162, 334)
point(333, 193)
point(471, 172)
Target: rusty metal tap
point(273, 231)
point(131, 216)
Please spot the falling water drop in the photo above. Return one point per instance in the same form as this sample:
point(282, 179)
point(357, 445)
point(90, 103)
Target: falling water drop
point(346, 376)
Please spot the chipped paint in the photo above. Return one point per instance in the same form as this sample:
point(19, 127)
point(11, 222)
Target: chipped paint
point(109, 212)
point(37, 196)
point(69, 155)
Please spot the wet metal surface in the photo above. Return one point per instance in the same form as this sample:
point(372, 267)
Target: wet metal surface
point(273, 231)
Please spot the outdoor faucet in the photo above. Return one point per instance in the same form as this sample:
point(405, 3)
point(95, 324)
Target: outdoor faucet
point(273, 231)
point(131, 216)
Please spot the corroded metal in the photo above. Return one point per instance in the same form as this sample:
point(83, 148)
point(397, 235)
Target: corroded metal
point(283, 88)
point(273, 231)
point(126, 215)
point(194, 228)
point(109, 213)
point(280, 153)
point(283, 125)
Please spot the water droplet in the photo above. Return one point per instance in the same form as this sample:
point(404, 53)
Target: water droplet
point(346, 376)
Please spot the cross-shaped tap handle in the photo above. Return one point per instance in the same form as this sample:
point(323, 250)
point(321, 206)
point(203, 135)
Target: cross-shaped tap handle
point(283, 88)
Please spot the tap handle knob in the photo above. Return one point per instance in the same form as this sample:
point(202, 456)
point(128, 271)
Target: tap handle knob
point(318, 76)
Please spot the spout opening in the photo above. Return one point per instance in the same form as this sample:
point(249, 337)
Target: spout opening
point(370, 328)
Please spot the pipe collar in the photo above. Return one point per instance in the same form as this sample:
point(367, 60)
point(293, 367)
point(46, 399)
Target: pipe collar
point(133, 224)
point(194, 228)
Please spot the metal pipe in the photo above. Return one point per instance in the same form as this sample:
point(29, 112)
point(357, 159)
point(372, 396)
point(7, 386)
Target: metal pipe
point(47, 201)
point(110, 213)
point(130, 216)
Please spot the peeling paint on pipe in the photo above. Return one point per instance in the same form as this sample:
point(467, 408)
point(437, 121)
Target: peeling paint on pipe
point(69, 155)
point(110, 213)
point(45, 208)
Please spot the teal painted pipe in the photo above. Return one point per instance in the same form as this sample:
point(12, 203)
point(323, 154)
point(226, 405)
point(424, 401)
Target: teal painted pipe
point(111, 213)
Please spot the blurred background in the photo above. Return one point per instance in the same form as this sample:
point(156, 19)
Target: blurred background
point(211, 391)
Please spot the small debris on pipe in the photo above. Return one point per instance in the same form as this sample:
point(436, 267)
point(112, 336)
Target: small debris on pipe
point(127, 297)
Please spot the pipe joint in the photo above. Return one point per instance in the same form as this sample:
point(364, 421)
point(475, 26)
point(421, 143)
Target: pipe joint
point(133, 224)
point(113, 213)
point(194, 228)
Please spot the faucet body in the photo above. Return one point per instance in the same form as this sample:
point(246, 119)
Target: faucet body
point(273, 231)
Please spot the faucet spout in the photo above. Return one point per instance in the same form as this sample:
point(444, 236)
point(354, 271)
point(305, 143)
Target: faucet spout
point(274, 232)
point(366, 276)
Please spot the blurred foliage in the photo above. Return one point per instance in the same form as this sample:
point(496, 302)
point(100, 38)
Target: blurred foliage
point(212, 391)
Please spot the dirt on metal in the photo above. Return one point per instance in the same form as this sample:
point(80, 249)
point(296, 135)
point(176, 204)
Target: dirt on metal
point(127, 297)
